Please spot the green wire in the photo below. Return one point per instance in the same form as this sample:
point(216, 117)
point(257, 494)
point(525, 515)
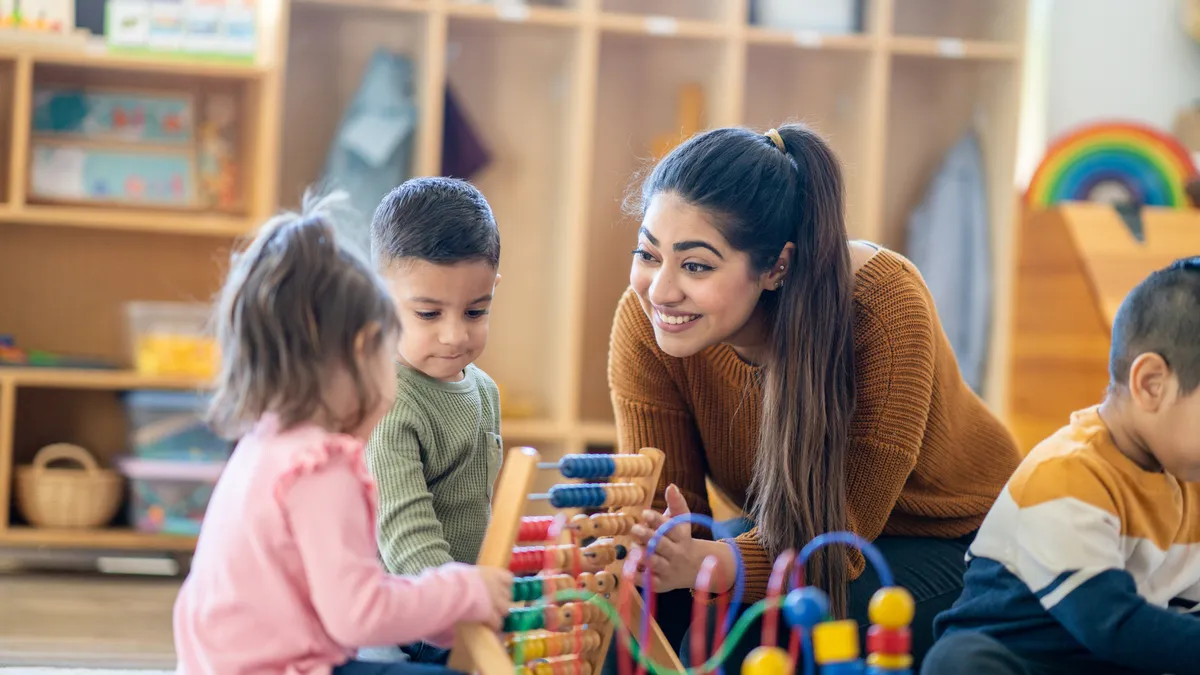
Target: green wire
point(735, 634)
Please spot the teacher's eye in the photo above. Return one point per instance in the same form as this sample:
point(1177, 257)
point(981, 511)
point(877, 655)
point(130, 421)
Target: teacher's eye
point(643, 255)
point(697, 268)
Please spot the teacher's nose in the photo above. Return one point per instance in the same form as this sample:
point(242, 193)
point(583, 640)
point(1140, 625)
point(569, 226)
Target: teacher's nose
point(664, 289)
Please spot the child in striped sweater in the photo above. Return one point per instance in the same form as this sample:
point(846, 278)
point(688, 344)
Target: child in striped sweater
point(1089, 562)
point(437, 452)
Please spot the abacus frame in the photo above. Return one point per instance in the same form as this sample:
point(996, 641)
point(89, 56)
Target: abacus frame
point(477, 649)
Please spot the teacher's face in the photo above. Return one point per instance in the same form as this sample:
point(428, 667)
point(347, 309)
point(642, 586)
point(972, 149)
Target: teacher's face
point(695, 288)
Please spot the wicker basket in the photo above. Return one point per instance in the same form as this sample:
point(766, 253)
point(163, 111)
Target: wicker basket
point(83, 497)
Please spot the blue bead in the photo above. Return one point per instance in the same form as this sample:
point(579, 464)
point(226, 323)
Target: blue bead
point(876, 670)
point(805, 607)
point(854, 667)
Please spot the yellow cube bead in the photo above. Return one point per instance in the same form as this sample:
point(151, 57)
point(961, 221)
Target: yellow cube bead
point(835, 641)
point(767, 661)
point(891, 608)
point(890, 661)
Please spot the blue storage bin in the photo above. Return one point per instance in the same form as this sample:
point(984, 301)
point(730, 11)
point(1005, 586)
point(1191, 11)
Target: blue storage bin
point(169, 497)
point(169, 425)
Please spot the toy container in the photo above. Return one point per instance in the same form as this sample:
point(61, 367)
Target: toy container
point(172, 339)
point(168, 497)
point(169, 425)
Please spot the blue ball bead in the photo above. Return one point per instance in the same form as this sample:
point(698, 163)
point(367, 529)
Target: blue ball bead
point(805, 607)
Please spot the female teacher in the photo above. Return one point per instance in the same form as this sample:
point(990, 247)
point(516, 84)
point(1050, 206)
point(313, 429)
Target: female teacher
point(805, 374)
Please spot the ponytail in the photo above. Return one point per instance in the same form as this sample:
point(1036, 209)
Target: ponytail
point(798, 488)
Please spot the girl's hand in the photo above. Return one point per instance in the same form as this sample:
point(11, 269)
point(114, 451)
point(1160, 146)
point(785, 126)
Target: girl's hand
point(677, 557)
point(499, 584)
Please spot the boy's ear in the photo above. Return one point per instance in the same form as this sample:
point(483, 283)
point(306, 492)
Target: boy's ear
point(1148, 379)
point(496, 283)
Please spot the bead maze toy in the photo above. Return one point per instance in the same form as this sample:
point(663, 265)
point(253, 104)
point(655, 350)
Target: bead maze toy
point(572, 615)
point(561, 554)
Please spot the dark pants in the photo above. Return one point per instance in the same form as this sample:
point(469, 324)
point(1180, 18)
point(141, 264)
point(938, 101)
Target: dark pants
point(977, 654)
point(931, 569)
point(400, 668)
point(423, 652)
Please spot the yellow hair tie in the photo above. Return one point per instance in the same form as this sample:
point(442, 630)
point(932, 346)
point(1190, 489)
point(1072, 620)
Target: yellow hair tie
point(773, 134)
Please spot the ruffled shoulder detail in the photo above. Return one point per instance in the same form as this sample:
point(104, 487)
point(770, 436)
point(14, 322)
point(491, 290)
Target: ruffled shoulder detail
point(315, 451)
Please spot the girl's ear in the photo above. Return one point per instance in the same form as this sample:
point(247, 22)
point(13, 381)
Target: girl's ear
point(365, 338)
point(773, 279)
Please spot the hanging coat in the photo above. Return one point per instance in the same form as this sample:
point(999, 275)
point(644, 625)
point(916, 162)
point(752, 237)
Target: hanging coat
point(373, 148)
point(949, 240)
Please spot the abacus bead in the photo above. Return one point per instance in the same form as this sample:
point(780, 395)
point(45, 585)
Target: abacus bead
point(876, 670)
point(891, 607)
point(805, 607)
point(882, 640)
point(835, 641)
point(767, 661)
point(890, 662)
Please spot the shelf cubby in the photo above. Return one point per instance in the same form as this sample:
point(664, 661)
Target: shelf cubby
point(638, 106)
point(494, 70)
point(713, 11)
point(932, 103)
point(826, 89)
point(329, 49)
point(976, 20)
point(69, 299)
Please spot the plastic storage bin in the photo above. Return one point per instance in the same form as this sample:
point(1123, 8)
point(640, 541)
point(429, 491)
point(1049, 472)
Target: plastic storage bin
point(168, 425)
point(172, 338)
point(820, 16)
point(169, 497)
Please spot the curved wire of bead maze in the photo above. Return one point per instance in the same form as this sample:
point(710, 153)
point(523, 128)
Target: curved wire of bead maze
point(571, 638)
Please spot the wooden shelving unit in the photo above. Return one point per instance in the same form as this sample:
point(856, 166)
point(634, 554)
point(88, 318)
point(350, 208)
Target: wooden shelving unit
point(570, 97)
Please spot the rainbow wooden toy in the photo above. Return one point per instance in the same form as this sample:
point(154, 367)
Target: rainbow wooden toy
point(1120, 161)
point(575, 567)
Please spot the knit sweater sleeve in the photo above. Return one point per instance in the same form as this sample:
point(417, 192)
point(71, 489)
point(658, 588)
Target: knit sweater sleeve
point(651, 409)
point(895, 351)
point(411, 538)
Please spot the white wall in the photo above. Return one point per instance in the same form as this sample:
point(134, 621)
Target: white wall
point(1118, 58)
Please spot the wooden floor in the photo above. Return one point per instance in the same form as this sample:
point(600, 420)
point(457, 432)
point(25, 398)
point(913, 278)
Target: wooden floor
point(86, 620)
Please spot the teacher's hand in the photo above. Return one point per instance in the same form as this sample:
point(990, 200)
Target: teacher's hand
point(677, 557)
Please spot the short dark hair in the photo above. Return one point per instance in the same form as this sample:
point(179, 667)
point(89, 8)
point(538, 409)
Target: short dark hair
point(292, 306)
point(1161, 315)
point(438, 220)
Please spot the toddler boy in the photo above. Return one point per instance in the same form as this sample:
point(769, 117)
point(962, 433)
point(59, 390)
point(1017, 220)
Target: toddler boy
point(1089, 561)
point(436, 455)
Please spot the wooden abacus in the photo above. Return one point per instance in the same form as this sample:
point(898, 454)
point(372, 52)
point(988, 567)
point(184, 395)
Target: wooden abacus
point(571, 638)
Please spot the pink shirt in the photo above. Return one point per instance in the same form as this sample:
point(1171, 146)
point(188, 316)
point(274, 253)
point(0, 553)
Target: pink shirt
point(286, 578)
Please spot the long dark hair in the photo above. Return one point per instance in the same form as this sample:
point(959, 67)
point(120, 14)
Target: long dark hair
point(293, 305)
point(761, 197)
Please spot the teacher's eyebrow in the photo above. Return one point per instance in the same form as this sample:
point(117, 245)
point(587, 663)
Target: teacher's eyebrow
point(649, 237)
point(687, 245)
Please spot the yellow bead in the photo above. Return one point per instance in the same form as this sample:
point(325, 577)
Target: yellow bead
point(835, 641)
point(767, 661)
point(890, 661)
point(891, 608)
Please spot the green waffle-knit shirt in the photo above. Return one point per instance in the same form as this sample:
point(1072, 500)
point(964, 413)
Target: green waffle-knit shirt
point(435, 457)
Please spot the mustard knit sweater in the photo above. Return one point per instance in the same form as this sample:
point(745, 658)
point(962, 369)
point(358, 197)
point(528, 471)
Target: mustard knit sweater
point(925, 458)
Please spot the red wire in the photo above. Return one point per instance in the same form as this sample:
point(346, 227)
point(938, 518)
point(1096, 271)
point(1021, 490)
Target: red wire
point(775, 588)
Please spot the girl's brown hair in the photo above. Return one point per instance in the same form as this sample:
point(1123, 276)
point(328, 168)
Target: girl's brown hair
point(761, 197)
point(291, 310)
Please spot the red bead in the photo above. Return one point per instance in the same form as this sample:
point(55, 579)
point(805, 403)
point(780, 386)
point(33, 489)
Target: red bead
point(883, 641)
point(535, 529)
point(527, 560)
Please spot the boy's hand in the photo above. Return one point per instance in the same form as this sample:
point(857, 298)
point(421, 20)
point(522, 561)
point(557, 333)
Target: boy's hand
point(500, 589)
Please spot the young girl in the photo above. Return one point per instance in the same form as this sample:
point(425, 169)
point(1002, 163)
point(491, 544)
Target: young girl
point(286, 577)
